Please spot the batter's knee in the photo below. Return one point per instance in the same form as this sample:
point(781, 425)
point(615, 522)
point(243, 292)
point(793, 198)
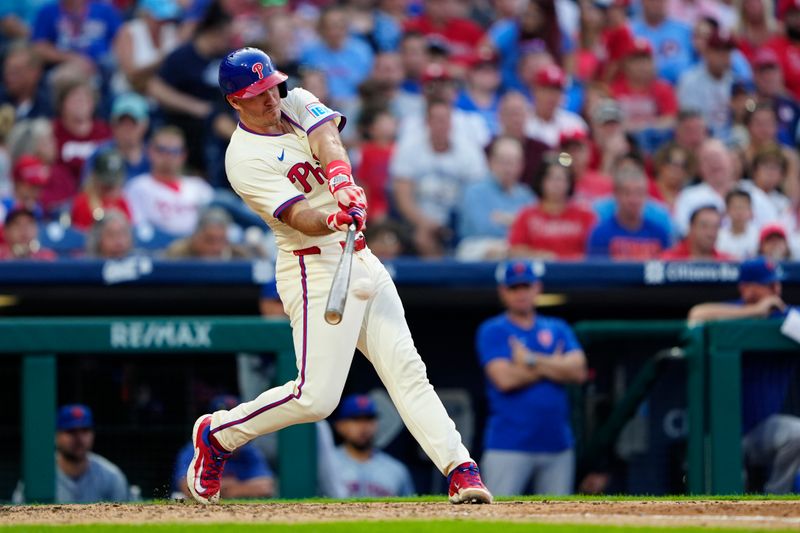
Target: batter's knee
point(318, 406)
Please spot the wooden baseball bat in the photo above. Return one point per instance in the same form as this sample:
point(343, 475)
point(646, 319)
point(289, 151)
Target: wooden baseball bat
point(337, 296)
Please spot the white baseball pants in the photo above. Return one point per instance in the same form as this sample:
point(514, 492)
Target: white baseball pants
point(377, 326)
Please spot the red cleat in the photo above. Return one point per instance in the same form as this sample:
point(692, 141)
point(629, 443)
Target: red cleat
point(466, 485)
point(205, 471)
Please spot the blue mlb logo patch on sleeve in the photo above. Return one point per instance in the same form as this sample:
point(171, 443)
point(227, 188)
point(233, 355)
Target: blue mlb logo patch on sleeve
point(317, 109)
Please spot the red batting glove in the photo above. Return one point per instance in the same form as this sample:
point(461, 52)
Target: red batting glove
point(341, 220)
point(342, 186)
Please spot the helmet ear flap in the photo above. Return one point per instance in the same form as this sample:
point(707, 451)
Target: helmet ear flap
point(283, 90)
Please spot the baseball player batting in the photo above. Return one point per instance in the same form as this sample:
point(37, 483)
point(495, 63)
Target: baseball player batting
point(288, 163)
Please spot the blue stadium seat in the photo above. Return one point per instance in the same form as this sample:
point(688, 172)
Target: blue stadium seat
point(147, 237)
point(66, 241)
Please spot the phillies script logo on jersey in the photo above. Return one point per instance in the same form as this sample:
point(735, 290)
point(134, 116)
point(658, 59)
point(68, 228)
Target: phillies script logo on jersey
point(302, 172)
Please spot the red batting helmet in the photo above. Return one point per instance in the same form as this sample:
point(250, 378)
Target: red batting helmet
point(248, 72)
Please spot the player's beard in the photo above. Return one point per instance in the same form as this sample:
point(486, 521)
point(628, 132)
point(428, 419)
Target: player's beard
point(363, 445)
point(73, 456)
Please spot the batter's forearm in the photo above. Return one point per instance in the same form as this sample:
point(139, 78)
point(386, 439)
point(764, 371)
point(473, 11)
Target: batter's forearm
point(327, 145)
point(307, 220)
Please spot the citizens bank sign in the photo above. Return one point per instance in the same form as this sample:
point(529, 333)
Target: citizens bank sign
point(182, 334)
point(660, 273)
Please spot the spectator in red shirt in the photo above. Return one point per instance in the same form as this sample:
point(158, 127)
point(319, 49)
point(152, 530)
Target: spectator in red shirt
point(77, 133)
point(773, 244)
point(700, 242)
point(22, 237)
point(102, 190)
point(787, 46)
point(756, 27)
point(549, 120)
point(444, 20)
point(647, 102)
point(30, 176)
point(556, 227)
point(35, 138)
point(590, 54)
point(617, 36)
point(379, 132)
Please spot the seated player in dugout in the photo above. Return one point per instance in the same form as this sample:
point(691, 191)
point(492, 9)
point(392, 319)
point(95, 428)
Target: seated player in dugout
point(366, 470)
point(770, 438)
point(82, 476)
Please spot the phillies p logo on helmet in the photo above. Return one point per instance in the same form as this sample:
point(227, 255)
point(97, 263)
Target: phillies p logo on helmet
point(248, 72)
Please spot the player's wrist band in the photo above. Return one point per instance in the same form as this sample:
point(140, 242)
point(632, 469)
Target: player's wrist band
point(530, 359)
point(339, 181)
point(339, 174)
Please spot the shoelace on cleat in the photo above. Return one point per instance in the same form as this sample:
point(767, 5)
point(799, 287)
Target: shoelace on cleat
point(473, 477)
point(214, 469)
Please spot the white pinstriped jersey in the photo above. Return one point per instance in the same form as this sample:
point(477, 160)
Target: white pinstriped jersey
point(272, 172)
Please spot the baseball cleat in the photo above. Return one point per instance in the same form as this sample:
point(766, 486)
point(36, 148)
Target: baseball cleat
point(205, 471)
point(466, 485)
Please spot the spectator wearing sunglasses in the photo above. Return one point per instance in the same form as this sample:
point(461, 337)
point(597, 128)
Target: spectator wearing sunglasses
point(164, 198)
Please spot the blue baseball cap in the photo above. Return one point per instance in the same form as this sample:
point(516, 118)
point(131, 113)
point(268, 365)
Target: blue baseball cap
point(516, 272)
point(760, 270)
point(74, 416)
point(131, 105)
point(357, 406)
point(161, 9)
point(223, 402)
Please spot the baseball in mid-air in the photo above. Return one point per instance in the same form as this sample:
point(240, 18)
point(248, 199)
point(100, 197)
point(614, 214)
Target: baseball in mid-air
point(362, 288)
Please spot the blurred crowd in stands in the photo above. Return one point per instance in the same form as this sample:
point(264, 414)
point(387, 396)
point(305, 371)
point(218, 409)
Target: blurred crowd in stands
point(556, 129)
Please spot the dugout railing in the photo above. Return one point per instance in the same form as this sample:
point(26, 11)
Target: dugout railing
point(713, 354)
point(717, 348)
point(41, 341)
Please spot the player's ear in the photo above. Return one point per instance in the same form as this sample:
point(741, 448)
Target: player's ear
point(232, 101)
